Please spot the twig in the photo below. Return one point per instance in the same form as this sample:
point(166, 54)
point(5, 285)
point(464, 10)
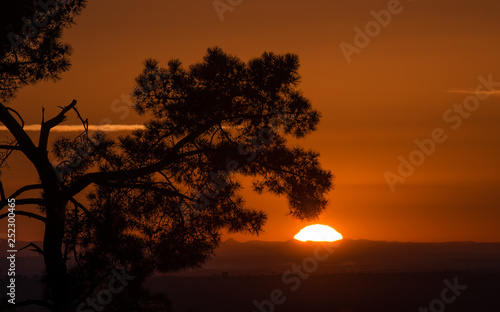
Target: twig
point(82, 207)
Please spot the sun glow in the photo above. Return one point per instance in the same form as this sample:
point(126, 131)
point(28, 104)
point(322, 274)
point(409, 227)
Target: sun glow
point(318, 233)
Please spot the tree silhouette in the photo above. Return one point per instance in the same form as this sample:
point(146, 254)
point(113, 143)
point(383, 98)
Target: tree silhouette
point(30, 46)
point(159, 198)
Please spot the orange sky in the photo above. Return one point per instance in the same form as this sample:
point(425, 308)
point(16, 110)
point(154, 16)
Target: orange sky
point(394, 92)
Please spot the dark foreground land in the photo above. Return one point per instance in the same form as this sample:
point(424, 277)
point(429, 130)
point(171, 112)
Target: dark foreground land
point(343, 292)
point(357, 276)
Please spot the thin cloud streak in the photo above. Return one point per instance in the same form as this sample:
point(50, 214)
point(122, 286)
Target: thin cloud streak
point(481, 92)
point(79, 128)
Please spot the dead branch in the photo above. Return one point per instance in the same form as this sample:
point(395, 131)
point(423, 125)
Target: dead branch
point(51, 123)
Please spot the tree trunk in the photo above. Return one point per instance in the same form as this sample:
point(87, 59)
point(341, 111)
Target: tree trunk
point(55, 210)
point(57, 280)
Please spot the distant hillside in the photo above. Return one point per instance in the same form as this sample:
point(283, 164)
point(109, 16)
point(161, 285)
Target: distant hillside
point(355, 256)
point(259, 257)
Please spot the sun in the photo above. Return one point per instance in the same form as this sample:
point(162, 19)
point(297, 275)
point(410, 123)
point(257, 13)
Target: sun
point(318, 233)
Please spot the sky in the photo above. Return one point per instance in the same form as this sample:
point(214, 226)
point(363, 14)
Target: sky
point(412, 78)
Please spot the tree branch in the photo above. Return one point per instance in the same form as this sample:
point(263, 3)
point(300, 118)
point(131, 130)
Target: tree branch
point(85, 122)
point(30, 201)
point(26, 188)
point(18, 115)
point(82, 207)
point(10, 147)
point(2, 193)
point(26, 214)
point(16, 129)
point(51, 123)
point(144, 186)
point(35, 246)
point(128, 174)
point(5, 157)
point(23, 189)
point(37, 157)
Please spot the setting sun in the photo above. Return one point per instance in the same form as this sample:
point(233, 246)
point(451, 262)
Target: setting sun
point(318, 233)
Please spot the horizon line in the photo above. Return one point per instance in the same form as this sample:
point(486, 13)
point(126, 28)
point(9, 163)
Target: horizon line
point(363, 239)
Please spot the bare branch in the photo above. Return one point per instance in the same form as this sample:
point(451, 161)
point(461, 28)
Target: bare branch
point(24, 141)
point(23, 189)
point(18, 115)
point(30, 201)
point(37, 157)
point(5, 157)
point(51, 123)
point(10, 147)
point(26, 201)
point(2, 192)
point(85, 122)
point(225, 133)
point(82, 207)
point(26, 214)
point(35, 248)
point(26, 188)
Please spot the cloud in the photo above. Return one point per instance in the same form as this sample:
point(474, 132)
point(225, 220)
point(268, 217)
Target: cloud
point(481, 92)
point(79, 128)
